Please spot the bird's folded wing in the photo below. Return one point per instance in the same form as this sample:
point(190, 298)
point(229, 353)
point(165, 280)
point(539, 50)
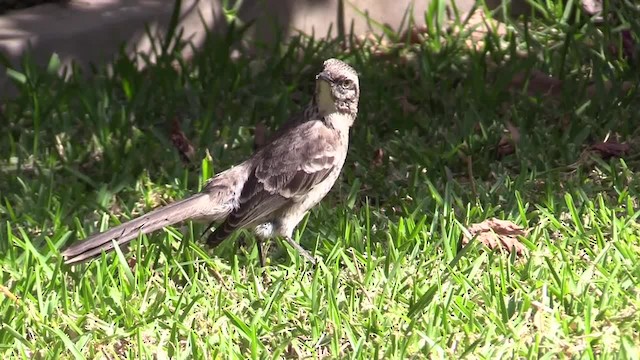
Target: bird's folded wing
point(286, 170)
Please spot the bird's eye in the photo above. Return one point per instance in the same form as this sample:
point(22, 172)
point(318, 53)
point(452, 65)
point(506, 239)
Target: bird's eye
point(347, 84)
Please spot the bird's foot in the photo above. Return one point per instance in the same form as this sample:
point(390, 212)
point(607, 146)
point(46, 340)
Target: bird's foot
point(301, 250)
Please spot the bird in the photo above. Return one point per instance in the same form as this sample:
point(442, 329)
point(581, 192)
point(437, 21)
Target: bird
point(273, 189)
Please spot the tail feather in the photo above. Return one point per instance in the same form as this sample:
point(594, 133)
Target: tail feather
point(197, 206)
point(214, 203)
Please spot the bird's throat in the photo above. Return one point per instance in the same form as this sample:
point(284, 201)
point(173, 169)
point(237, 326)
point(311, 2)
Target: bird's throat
point(339, 121)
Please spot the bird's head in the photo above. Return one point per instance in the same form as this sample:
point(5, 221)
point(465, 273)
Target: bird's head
point(337, 89)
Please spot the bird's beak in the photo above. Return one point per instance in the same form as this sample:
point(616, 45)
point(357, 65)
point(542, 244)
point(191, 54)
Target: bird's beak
point(324, 76)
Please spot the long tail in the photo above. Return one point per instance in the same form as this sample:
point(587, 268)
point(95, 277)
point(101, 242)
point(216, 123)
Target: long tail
point(177, 212)
point(214, 203)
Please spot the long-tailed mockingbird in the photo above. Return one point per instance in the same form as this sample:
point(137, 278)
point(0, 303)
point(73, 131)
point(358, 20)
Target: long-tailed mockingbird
point(272, 190)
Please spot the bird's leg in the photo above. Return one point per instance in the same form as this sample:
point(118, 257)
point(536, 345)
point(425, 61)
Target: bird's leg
point(263, 260)
point(300, 250)
point(261, 252)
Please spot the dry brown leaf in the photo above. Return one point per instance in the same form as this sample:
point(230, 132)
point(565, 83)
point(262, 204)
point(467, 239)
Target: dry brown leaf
point(592, 90)
point(565, 121)
point(509, 140)
point(539, 83)
point(505, 147)
point(181, 143)
point(628, 51)
point(628, 45)
point(496, 233)
point(610, 149)
point(418, 34)
point(406, 105)
point(378, 157)
point(515, 133)
point(132, 262)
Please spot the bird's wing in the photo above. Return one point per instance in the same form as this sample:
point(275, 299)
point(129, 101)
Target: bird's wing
point(285, 170)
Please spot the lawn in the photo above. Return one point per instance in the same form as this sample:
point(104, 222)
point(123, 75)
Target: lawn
point(430, 156)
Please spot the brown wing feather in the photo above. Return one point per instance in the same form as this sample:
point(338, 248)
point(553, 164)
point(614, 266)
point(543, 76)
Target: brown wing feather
point(287, 169)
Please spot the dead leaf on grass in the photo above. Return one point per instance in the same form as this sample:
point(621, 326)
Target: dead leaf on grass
point(509, 140)
point(539, 83)
point(417, 34)
point(496, 233)
point(132, 262)
point(610, 149)
point(181, 143)
point(592, 90)
point(378, 157)
point(407, 107)
point(542, 84)
point(628, 45)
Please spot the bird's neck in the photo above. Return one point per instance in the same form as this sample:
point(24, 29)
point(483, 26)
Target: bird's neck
point(337, 120)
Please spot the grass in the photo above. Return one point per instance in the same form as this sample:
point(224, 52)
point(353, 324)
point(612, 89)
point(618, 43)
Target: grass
point(393, 280)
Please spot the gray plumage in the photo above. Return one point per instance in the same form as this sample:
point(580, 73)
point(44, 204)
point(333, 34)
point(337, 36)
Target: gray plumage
point(273, 189)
